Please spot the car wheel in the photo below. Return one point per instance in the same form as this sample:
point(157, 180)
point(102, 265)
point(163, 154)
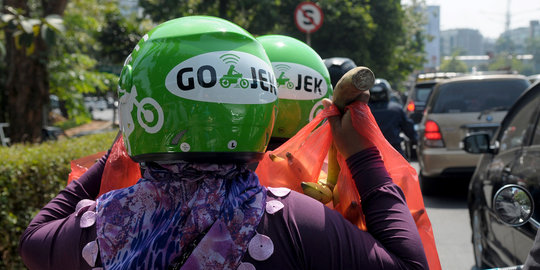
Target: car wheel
point(477, 240)
point(426, 184)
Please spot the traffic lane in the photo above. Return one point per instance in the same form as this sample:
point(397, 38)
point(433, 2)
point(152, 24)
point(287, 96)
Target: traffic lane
point(449, 216)
point(105, 115)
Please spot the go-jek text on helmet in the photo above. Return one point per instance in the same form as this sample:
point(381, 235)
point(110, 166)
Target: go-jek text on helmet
point(302, 81)
point(199, 89)
point(337, 67)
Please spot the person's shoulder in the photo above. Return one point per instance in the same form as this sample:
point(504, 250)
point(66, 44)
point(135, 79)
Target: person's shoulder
point(392, 105)
point(291, 199)
point(304, 210)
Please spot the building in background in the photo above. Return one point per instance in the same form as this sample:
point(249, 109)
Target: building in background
point(432, 46)
point(466, 41)
point(534, 28)
point(128, 7)
point(519, 36)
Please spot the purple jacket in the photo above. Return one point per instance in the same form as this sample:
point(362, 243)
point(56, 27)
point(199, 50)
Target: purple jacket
point(305, 233)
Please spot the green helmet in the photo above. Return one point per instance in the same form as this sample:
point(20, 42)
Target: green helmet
point(200, 89)
point(302, 79)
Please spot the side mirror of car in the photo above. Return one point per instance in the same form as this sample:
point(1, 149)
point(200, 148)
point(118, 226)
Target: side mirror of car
point(477, 143)
point(514, 205)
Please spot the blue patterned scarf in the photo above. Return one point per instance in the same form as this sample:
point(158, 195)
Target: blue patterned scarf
point(212, 210)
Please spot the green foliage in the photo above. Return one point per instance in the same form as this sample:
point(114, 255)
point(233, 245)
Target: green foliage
point(533, 47)
point(506, 62)
point(453, 65)
point(380, 34)
point(119, 37)
point(74, 65)
point(73, 75)
point(504, 44)
point(3, 73)
point(30, 176)
point(27, 30)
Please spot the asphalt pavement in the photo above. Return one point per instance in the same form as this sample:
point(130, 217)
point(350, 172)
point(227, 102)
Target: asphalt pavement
point(449, 216)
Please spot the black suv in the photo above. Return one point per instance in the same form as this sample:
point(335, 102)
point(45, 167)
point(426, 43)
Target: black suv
point(510, 157)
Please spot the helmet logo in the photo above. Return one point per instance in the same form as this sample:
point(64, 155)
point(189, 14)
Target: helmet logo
point(232, 75)
point(149, 113)
point(316, 109)
point(236, 78)
point(299, 82)
point(282, 80)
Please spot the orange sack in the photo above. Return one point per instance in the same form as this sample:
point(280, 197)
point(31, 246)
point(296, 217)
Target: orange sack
point(301, 158)
point(120, 170)
point(80, 166)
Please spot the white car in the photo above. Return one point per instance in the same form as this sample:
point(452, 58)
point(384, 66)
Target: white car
point(95, 103)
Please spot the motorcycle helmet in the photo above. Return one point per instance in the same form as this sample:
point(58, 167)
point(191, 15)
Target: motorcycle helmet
point(302, 81)
point(198, 89)
point(337, 67)
point(379, 92)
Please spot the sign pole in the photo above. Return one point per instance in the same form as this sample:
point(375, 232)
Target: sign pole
point(308, 17)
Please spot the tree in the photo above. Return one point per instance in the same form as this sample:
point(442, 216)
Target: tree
point(533, 47)
point(453, 65)
point(504, 44)
point(378, 34)
point(506, 62)
point(28, 41)
point(408, 55)
point(76, 60)
point(3, 71)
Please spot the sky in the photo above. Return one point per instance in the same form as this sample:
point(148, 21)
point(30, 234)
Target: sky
point(487, 16)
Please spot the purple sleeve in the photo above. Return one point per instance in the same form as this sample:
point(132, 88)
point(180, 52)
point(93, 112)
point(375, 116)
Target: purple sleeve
point(308, 235)
point(388, 218)
point(54, 239)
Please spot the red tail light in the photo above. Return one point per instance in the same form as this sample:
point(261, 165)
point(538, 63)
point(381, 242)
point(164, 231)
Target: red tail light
point(410, 106)
point(432, 134)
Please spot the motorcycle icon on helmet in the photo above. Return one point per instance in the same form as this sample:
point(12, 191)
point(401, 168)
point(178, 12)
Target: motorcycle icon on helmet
point(282, 80)
point(231, 77)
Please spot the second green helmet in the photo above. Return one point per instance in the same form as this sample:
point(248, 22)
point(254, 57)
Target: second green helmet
point(302, 79)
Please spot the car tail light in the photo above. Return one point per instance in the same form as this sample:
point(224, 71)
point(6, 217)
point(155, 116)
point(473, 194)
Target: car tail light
point(432, 134)
point(410, 106)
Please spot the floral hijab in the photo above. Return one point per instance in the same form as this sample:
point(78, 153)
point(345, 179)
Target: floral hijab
point(181, 216)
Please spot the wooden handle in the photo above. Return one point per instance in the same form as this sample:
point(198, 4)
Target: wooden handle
point(353, 86)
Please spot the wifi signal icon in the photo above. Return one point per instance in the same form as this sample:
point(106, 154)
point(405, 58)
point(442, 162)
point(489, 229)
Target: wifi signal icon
point(229, 58)
point(282, 67)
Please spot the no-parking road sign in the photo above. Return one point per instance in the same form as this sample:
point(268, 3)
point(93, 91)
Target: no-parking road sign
point(308, 17)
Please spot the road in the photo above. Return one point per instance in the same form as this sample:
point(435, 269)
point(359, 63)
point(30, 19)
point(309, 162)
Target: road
point(449, 216)
point(447, 212)
point(106, 115)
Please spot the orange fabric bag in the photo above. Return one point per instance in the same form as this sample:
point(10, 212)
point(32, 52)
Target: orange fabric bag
point(120, 170)
point(80, 166)
point(307, 152)
point(302, 158)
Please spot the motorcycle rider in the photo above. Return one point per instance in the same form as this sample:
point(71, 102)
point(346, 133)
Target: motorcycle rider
point(197, 206)
point(390, 116)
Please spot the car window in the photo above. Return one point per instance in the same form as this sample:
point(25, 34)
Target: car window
point(515, 131)
point(422, 93)
point(477, 96)
point(536, 138)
